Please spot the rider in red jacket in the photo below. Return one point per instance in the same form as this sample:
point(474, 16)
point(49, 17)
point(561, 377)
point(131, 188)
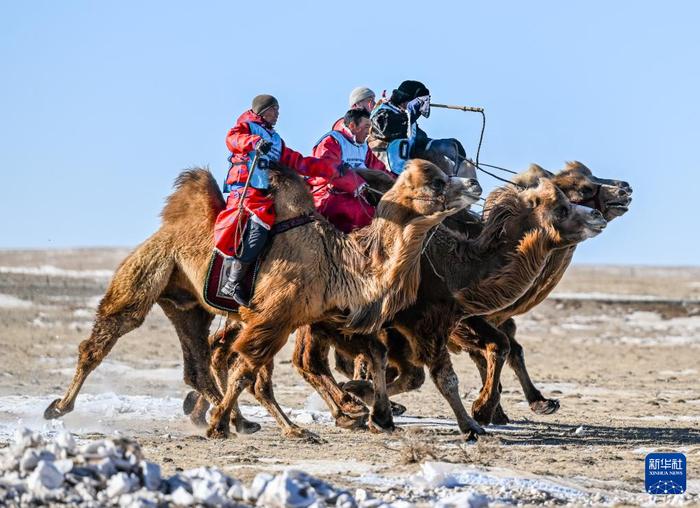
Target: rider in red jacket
point(243, 232)
point(342, 199)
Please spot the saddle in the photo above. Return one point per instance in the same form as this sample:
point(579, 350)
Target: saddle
point(220, 266)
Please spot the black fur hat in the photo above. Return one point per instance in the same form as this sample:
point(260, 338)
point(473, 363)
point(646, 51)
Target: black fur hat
point(408, 90)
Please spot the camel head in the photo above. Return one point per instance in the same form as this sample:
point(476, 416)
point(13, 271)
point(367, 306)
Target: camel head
point(423, 189)
point(568, 222)
point(610, 197)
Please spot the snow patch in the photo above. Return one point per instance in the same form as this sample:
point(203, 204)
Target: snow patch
point(93, 413)
point(614, 297)
point(12, 302)
point(53, 271)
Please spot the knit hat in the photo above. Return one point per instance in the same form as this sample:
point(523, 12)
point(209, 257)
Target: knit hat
point(262, 103)
point(409, 90)
point(359, 94)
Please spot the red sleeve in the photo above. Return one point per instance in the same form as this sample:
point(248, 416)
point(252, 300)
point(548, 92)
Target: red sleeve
point(350, 182)
point(239, 139)
point(372, 162)
point(307, 166)
point(329, 149)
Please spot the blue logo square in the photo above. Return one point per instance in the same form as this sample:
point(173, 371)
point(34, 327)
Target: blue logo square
point(664, 473)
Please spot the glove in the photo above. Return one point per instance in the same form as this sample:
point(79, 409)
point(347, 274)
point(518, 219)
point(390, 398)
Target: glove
point(419, 106)
point(263, 146)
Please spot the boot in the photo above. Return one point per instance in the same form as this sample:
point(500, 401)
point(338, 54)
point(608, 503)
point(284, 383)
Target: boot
point(234, 285)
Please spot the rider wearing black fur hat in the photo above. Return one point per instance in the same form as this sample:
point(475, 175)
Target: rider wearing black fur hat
point(396, 120)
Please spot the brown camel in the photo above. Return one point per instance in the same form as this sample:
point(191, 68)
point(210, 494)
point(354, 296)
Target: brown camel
point(488, 272)
point(612, 198)
point(308, 272)
point(474, 334)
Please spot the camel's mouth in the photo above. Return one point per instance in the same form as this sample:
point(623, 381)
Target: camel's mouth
point(595, 226)
point(471, 190)
point(621, 204)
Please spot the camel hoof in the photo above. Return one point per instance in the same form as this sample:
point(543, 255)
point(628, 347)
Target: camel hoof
point(545, 407)
point(483, 414)
point(354, 408)
point(304, 435)
point(499, 417)
point(199, 419)
point(244, 426)
point(217, 433)
point(397, 409)
point(52, 412)
point(348, 422)
point(379, 424)
point(377, 429)
point(190, 401)
point(471, 427)
point(471, 437)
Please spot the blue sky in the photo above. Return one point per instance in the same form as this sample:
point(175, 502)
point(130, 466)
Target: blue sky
point(103, 103)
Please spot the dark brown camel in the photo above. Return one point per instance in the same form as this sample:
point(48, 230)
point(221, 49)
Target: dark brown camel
point(610, 197)
point(488, 272)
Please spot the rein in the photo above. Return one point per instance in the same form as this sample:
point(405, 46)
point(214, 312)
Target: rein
point(294, 222)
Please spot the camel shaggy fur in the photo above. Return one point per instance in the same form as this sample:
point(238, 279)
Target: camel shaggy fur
point(310, 272)
point(486, 273)
point(610, 197)
point(475, 334)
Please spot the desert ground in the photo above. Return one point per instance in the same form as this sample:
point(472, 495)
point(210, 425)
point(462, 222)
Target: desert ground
point(618, 346)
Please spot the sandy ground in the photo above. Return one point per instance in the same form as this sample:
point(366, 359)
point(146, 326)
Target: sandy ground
point(619, 346)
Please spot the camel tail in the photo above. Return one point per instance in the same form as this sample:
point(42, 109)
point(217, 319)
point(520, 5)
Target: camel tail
point(196, 198)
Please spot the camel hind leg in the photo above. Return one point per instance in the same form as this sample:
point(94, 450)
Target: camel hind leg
point(192, 323)
point(311, 361)
point(135, 287)
point(196, 405)
point(516, 359)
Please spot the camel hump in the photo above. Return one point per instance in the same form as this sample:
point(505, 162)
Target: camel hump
point(196, 192)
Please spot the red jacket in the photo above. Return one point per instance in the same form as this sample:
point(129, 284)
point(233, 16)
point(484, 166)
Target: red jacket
point(329, 150)
point(241, 142)
point(339, 200)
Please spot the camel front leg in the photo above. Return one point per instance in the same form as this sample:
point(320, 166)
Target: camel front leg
point(311, 361)
point(405, 375)
point(447, 383)
point(499, 416)
point(265, 395)
point(381, 418)
point(495, 347)
point(516, 359)
point(242, 375)
point(255, 349)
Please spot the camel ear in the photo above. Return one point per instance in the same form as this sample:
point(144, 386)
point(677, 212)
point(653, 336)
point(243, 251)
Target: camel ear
point(540, 171)
point(531, 176)
point(576, 165)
